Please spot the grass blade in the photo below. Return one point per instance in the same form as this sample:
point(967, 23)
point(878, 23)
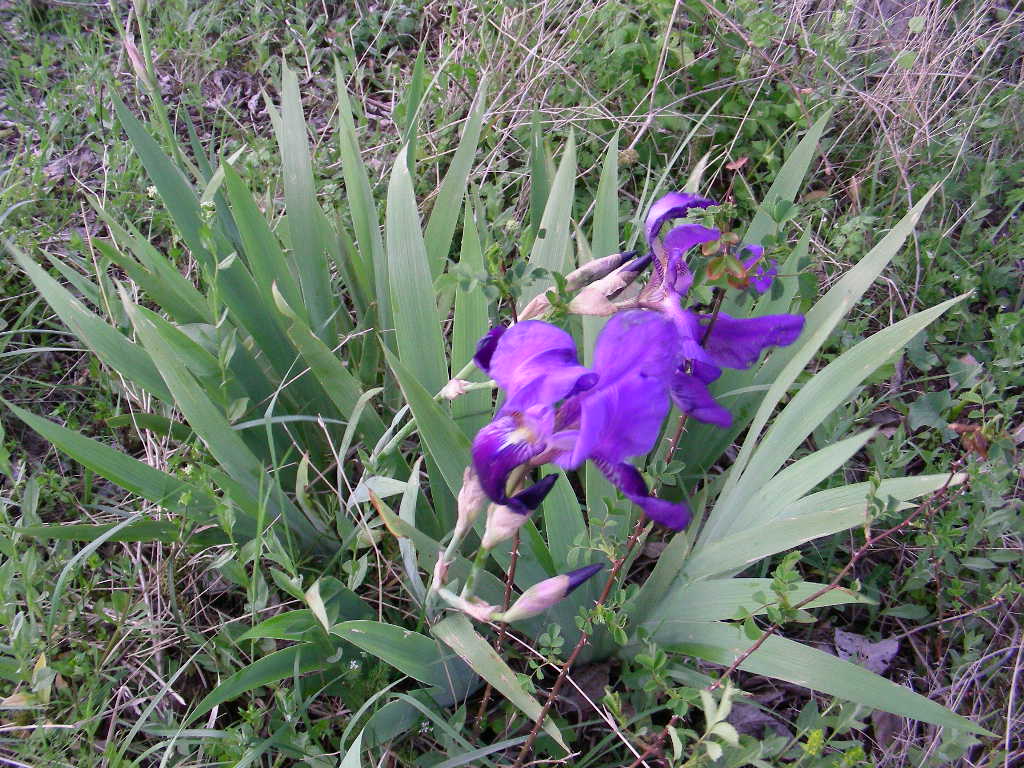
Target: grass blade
point(551, 248)
point(300, 201)
point(788, 181)
point(263, 252)
point(122, 470)
point(410, 653)
point(446, 444)
point(445, 213)
point(109, 344)
point(821, 395)
point(459, 635)
point(223, 442)
point(414, 307)
point(796, 524)
point(362, 208)
point(472, 410)
point(722, 598)
point(280, 665)
point(801, 665)
point(175, 191)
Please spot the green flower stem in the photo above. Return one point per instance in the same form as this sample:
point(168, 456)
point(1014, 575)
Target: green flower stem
point(447, 556)
point(474, 572)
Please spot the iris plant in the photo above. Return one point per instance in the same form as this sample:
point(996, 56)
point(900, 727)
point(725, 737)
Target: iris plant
point(652, 352)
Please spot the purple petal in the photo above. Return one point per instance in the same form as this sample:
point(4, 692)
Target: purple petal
point(685, 236)
point(688, 337)
point(756, 252)
point(636, 342)
point(485, 347)
point(762, 278)
point(692, 397)
point(622, 419)
point(628, 480)
point(678, 277)
point(674, 205)
point(580, 575)
point(506, 443)
point(538, 359)
point(526, 501)
point(738, 342)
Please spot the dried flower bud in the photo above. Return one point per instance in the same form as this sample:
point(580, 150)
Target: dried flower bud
point(545, 594)
point(628, 157)
point(595, 269)
point(136, 60)
point(538, 306)
point(595, 299)
point(440, 572)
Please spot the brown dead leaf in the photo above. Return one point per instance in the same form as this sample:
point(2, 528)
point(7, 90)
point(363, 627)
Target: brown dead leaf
point(735, 165)
point(813, 195)
point(875, 657)
point(590, 682)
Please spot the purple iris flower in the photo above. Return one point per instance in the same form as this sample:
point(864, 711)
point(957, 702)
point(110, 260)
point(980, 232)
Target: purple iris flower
point(762, 278)
point(731, 342)
point(559, 411)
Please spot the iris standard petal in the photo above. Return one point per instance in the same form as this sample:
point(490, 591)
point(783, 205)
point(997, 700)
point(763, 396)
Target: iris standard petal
point(678, 277)
point(674, 205)
point(538, 354)
point(692, 397)
point(501, 446)
point(627, 479)
point(682, 238)
point(738, 342)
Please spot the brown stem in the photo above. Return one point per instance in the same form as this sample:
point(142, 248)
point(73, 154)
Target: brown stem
point(527, 747)
point(509, 579)
point(716, 307)
point(834, 584)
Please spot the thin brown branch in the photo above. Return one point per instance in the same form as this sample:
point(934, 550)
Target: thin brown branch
point(510, 577)
point(527, 747)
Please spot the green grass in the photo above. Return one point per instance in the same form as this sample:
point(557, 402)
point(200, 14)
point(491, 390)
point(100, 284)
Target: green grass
point(104, 672)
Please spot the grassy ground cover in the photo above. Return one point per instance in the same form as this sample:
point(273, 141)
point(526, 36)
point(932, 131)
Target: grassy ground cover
point(106, 647)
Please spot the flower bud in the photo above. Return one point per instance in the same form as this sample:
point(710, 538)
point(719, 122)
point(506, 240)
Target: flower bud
point(472, 499)
point(137, 62)
point(545, 594)
point(595, 299)
point(454, 388)
point(440, 572)
point(596, 269)
point(503, 520)
point(538, 305)
point(474, 608)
